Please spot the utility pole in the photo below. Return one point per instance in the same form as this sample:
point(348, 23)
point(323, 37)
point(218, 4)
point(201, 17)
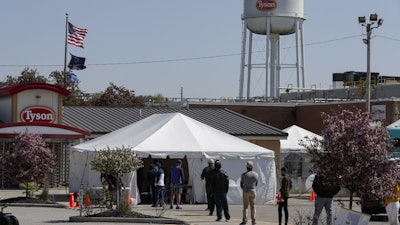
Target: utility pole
point(372, 20)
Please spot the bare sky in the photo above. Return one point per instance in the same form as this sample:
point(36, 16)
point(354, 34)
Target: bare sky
point(157, 47)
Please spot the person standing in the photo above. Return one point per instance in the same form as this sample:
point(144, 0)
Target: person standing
point(284, 190)
point(113, 186)
point(392, 206)
point(160, 186)
point(207, 176)
point(220, 187)
point(248, 183)
point(151, 179)
point(325, 192)
point(176, 184)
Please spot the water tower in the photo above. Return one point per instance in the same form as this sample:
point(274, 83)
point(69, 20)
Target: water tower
point(271, 18)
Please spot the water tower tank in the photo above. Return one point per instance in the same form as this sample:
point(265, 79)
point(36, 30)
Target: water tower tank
point(282, 13)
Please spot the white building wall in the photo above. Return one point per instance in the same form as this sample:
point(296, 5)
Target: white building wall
point(38, 97)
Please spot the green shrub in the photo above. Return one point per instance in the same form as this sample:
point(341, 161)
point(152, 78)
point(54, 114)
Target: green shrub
point(30, 188)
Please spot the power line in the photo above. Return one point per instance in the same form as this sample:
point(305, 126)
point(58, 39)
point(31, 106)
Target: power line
point(389, 38)
point(188, 59)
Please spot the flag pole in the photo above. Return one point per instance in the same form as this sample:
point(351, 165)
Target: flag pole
point(65, 52)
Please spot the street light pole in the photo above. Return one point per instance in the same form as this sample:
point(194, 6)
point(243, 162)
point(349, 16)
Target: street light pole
point(372, 20)
point(368, 101)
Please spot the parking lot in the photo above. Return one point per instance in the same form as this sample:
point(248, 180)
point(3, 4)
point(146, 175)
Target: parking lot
point(299, 209)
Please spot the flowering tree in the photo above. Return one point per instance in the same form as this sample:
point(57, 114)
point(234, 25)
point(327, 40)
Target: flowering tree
point(29, 161)
point(116, 162)
point(355, 154)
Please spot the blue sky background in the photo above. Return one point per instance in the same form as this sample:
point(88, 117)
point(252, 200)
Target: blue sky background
point(127, 39)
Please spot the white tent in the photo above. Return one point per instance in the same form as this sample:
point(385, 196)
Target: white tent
point(295, 134)
point(176, 135)
point(296, 157)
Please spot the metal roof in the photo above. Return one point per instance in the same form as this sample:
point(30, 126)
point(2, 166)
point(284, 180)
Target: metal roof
point(103, 120)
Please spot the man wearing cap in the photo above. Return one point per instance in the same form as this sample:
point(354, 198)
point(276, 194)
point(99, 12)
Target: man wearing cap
point(248, 183)
point(220, 186)
point(176, 184)
point(207, 176)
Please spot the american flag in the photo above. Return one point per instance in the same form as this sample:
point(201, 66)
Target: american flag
point(76, 35)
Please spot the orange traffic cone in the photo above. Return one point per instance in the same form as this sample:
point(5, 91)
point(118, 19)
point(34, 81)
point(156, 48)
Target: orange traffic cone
point(71, 201)
point(312, 196)
point(278, 198)
point(75, 197)
point(128, 200)
point(87, 201)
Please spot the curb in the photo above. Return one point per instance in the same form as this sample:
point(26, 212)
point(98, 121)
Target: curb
point(130, 220)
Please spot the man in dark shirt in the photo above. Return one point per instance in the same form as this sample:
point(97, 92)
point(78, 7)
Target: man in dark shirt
point(220, 186)
point(207, 176)
point(286, 185)
point(151, 179)
point(325, 192)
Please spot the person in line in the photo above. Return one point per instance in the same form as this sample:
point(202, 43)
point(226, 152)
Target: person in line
point(220, 186)
point(325, 192)
point(111, 188)
point(151, 179)
point(207, 176)
point(248, 183)
point(160, 186)
point(176, 184)
point(284, 190)
point(392, 206)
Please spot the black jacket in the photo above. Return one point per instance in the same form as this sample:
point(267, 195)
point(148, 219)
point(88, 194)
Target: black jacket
point(207, 175)
point(324, 190)
point(220, 181)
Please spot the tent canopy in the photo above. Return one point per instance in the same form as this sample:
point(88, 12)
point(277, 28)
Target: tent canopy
point(394, 130)
point(175, 135)
point(295, 134)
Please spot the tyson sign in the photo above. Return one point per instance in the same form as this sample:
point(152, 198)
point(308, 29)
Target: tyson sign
point(38, 114)
point(266, 5)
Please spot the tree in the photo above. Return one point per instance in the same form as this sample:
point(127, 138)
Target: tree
point(29, 161)
point(27, 76)
point(116, 162)
point(116, 96)
point(113, 96)
point(62, 79)
point(354, 153)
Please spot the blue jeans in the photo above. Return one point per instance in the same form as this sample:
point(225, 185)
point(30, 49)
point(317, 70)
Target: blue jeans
point(321, 202)
point(160, 195)
point(222, 204)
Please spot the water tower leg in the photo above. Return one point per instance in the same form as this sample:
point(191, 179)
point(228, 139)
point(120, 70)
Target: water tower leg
point(267, 65)
point(302, 53)
point(274, 64)
point(297, 54)
point(249, 65)
point(242, 60)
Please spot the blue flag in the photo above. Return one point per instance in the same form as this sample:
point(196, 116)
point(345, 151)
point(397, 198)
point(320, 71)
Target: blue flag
point(73, 78)
point(76, 63)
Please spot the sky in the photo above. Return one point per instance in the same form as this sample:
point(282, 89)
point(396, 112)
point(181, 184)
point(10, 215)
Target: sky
point(189, 48)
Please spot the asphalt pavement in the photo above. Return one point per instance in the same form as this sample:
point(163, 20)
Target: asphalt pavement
point(300, 208)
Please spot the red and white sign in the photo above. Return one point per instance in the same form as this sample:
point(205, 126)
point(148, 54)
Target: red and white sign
point(266, 5)
point(38, 114)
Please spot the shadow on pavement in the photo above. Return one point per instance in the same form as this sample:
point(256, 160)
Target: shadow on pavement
point(378, 218)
